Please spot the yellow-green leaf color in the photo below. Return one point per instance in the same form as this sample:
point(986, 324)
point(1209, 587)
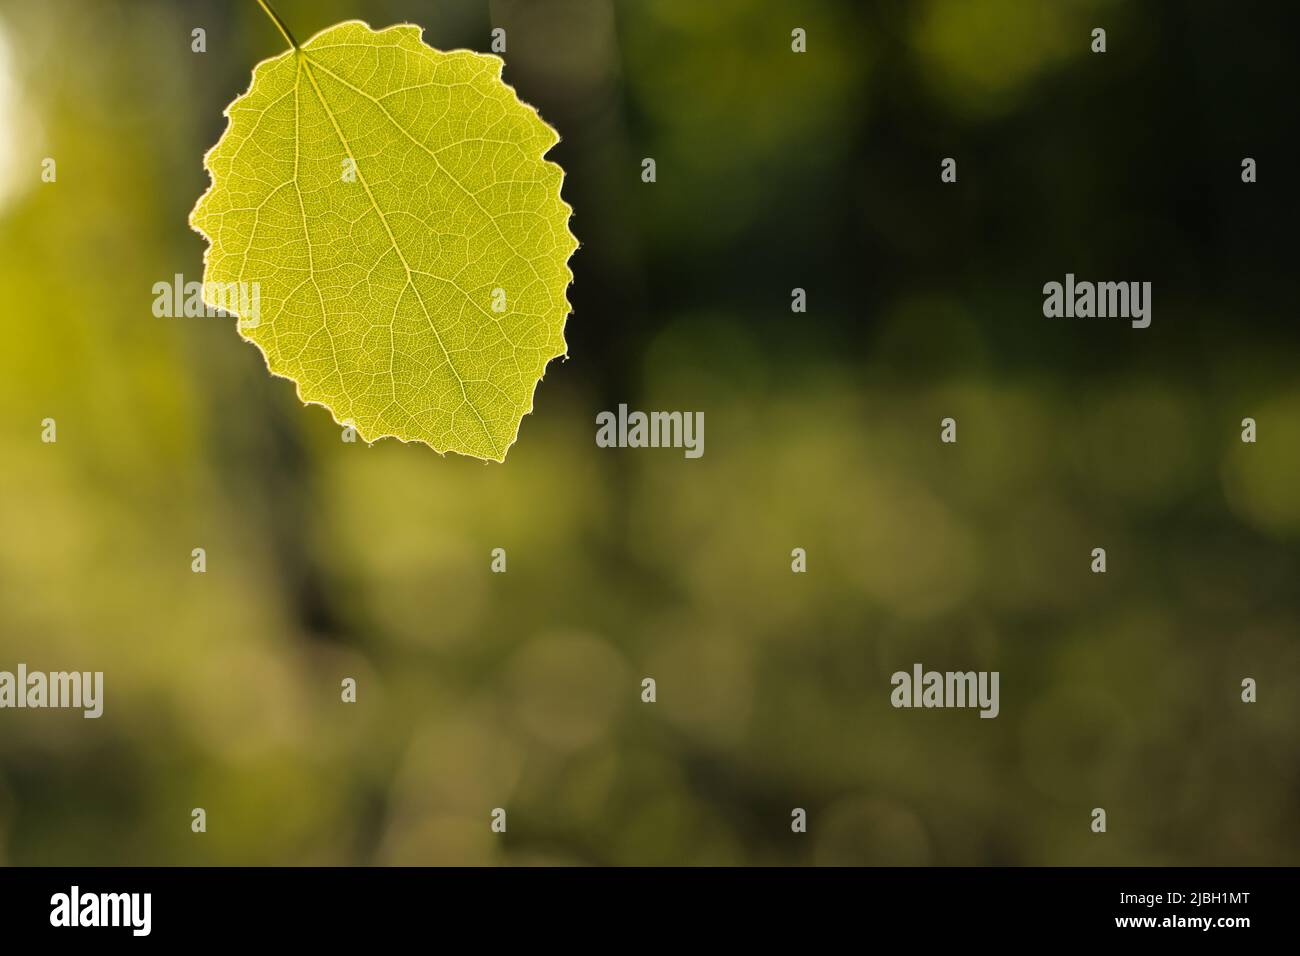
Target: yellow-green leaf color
point(407, 239)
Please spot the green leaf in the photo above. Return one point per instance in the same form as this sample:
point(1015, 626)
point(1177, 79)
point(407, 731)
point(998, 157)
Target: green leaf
point(407, 239)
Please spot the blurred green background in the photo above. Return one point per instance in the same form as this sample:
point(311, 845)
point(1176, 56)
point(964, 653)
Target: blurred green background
point(522, 690)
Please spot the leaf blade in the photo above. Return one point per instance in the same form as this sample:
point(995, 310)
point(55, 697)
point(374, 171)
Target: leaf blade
point(379, 291)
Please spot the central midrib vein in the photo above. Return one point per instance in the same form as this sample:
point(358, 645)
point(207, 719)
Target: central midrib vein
point(392, 238)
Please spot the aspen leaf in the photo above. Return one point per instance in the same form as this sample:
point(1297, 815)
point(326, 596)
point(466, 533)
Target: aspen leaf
point(379, 192)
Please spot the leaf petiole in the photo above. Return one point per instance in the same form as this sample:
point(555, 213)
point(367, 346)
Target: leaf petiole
point(279, 25)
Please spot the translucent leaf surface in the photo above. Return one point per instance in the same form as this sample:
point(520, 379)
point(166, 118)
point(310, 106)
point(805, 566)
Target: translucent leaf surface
point(407, 239)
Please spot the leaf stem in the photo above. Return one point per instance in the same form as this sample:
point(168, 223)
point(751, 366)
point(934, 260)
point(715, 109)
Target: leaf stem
point(279, 25)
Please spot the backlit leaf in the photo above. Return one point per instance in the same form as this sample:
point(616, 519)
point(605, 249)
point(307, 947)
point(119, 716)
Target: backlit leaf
point(406, 237)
